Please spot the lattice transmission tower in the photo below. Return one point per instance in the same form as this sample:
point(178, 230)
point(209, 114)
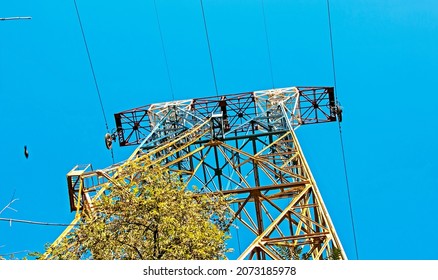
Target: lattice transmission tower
point(243, 145)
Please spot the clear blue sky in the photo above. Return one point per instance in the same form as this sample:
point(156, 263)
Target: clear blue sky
point(386, 55)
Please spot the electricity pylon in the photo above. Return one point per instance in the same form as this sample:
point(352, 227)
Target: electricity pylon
point(242, 145)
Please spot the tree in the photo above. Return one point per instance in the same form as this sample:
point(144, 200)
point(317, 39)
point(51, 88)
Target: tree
point(148, 214)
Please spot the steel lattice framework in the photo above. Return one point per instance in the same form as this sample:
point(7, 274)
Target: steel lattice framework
point(243, 145)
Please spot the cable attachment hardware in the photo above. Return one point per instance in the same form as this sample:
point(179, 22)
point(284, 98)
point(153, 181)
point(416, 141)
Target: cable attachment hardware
point(337, 109)
point(109, 139)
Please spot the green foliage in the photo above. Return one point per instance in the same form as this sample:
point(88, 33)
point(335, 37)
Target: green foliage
point(296, 253)
point(336, 254)
point(34, 255)
point(147, 214)
point(290, 252)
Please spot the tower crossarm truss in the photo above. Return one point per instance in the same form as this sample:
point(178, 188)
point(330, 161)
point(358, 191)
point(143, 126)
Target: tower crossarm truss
point(266, 110)
point(242, 145)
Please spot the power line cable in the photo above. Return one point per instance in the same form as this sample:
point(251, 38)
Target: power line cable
point(91, 64)
point(164, 50)
point(15, 253)
point(10, 220)
point(267, 43)
point(348, 189)
point(331, 47)
point(92, 71)
point(15, 18)
point(209, 48)
point(340, 130)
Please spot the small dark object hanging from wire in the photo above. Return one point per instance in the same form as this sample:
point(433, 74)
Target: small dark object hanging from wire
point(26, 152)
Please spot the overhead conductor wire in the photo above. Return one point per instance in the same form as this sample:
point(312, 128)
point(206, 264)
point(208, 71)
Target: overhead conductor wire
point(10, 220)
point(209, 48)
point(92, 71)
point(15, 18)
point(164, 50)
point(267, 43)
point(340, 130)
point(215, 82)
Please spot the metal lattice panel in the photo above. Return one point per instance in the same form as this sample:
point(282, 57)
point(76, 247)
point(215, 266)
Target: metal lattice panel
point(277, 109)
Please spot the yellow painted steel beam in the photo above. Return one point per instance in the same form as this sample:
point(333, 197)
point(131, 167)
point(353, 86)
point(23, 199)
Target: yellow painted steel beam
point(270, 228)
point(320, 201)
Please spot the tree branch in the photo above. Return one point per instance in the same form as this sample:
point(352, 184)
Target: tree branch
point(133, 247)
point(8, 206)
